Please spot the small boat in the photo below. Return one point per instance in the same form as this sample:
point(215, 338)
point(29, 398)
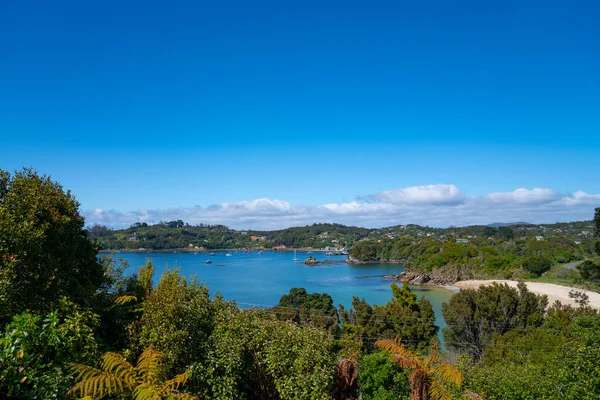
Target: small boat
point(228, 255)
point(212, 254)
point(208, 262)
point(295, 257)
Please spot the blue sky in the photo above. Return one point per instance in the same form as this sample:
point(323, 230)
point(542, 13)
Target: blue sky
point(149, 110)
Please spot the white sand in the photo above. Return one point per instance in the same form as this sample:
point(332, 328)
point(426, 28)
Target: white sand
point(554, 292)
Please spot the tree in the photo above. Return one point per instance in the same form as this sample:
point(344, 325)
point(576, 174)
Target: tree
point(35, 347)
point(315, 309)
point(118, 377)
point(97, 231)
point(176, 320)
point(382, 379)
point(474, 316)
point(45, 253)
point(252, 355)
point(590, 270)
point(429, 378)
point(403, 316)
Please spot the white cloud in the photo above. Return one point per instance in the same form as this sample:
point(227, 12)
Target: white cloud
point(525, 196)
point(430, 194)
point(434, 205)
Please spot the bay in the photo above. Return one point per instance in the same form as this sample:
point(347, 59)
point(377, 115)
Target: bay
point(259, 280)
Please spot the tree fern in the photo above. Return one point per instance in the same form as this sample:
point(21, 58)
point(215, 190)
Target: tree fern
point(117, 376)
point(429, 378)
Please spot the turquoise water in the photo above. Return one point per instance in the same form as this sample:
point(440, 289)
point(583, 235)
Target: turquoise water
point(254, 279)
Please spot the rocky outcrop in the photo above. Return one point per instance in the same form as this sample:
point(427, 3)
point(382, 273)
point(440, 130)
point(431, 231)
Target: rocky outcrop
point(438, 277)
point(311, 261)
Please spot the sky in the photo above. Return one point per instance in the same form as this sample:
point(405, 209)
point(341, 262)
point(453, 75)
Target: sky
point(273, 114)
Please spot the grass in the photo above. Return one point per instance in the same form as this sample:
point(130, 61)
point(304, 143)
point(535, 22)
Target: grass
point(560, 275)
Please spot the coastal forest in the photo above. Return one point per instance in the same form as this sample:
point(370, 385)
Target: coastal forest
point(74, 325)
point(171, 235)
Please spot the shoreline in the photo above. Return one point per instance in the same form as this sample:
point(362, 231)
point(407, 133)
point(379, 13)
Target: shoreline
point(552, 290)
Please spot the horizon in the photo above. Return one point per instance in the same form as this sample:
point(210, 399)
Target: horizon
point(270, 115)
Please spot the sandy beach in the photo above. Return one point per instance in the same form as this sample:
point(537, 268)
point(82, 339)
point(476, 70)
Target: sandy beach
point(554, 292)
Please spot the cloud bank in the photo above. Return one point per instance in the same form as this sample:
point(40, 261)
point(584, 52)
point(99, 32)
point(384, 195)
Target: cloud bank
point(433, 205)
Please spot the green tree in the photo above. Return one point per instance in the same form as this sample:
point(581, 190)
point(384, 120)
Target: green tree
point(402, 316)
point(44, 251)
point(590, 270)
point(255, 356)
point(382, 379)
point(315, 309)
point(34, 348)
point(474, 316)
point(176, 321)
point(553, 361)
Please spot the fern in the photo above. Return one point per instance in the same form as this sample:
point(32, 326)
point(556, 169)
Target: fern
point(124, 299)
point(429, 377)
point(117, 376)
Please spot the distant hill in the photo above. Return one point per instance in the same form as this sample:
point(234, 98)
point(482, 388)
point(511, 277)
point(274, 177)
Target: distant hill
point(500, 224)
point(178, 235)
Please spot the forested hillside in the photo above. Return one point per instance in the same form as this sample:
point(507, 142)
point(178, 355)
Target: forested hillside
point(179, 235)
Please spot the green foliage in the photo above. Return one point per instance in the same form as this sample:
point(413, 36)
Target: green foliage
point(541, 363)
point(178, 235)
point(254, 356)
point(473, 317)
point(590, 270)
point(499, 256)
point(403, 316)
point(34, 348)
point(314, 309)
point(44, 251)
point(537, 264)
point(118, 300)
point(382, 379)
point(176, 320)
point(117, 376)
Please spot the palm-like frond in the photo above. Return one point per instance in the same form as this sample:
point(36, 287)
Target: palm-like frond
point(124, 299)
point(98, 386)
point(438, 392)
point(117, 365)
point(82, 371)
point(146, 392)
point(428, 377)
point(174, 384)
point(148, 365)
point(402, 356)
point(118, 376)
point(448, 374)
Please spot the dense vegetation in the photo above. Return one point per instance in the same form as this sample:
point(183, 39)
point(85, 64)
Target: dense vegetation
point(178, 235)
point(478, 257)
point(93, 331)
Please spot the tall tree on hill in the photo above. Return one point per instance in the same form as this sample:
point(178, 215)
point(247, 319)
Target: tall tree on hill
point(45, 253)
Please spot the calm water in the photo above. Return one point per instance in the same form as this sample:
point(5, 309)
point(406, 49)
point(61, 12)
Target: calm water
point(254, 279)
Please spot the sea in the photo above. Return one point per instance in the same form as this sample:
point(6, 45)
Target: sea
point(256, 279)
